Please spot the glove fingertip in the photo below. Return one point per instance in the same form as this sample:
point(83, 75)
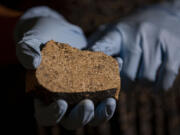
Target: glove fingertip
point(110, 107)
point(120, 63)
point(62, 105)
point(87, 105)
point(168, 80)
point(79, 116)
point(36, 62)
point(104, 111)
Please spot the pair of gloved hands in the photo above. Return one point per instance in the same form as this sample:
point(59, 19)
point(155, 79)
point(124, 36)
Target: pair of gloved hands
point(142, 44)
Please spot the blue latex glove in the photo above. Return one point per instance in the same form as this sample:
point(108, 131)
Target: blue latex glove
point(80, 115)
point(145, 41)
point(34, 29)
point(39, 25)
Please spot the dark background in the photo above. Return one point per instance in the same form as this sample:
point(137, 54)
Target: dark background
point(88, 14)
point(140, 111)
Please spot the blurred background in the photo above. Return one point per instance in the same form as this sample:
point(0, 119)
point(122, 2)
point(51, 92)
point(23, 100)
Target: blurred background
point(140, 111)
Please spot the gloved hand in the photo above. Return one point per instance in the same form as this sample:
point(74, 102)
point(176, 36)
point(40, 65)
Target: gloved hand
point(147, 43)
point(34, 29)
point(82, 114)
point(39, 25)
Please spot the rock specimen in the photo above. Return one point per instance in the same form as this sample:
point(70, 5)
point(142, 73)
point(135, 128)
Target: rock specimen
point(71, 74)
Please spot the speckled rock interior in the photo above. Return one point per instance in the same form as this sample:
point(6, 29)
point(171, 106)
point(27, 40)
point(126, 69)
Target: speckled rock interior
point(73, 75)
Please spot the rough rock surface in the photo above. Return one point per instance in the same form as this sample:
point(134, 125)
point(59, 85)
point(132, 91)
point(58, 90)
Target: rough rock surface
point(71, 74)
